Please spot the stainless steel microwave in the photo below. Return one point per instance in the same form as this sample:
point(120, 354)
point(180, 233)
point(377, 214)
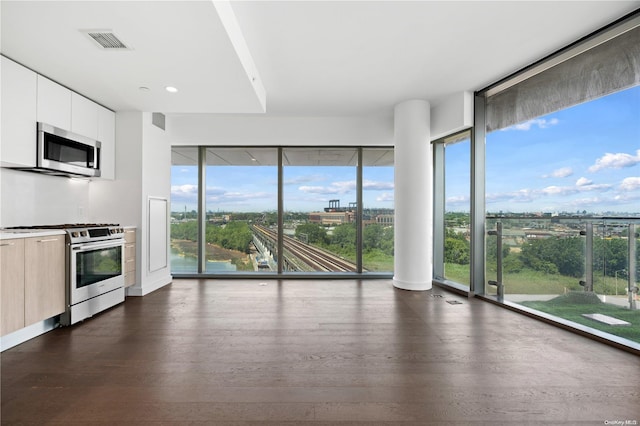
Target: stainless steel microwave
point(64, 153)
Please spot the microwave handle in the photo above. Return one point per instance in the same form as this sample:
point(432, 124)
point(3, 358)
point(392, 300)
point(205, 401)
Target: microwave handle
point(96, 156)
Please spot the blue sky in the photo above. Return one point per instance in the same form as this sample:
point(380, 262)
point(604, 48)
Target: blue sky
point(586, 157)
point(254, 188)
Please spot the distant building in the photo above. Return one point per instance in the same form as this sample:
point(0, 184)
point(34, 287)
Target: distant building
point(332, 218)
point(385, 219)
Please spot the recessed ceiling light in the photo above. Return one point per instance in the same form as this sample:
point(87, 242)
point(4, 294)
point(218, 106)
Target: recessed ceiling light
point(171, 89)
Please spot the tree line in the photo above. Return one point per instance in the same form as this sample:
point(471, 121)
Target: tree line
point(555, 255)
point(233, 236)
point(377, 240)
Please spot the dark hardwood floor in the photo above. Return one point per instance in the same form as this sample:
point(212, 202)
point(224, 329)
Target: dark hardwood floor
point(329, 352)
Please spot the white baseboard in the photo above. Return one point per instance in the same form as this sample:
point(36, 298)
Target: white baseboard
point(149, 286)
point(20, 336)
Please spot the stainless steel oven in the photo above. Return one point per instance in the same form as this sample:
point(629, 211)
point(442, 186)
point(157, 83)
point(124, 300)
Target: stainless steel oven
point(95, 271)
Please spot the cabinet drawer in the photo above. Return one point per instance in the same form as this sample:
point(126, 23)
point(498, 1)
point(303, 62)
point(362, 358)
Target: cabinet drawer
point(130, 235)
point(129, 251)
point(129, 265)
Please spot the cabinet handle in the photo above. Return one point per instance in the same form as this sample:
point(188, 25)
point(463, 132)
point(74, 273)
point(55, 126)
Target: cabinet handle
point(47, 241)
point(129, 260)
point(7, 244)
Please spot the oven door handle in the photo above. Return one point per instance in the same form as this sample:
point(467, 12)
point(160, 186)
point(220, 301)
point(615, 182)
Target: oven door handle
point(100, 245)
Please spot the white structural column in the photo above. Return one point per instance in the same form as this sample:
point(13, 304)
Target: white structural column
point(413, 196)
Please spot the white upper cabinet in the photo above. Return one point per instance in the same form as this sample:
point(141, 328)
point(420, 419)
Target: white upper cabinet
point(54, 104)
point(84, 116)
point(18, 139)
point(107, 137)
point(28, 98)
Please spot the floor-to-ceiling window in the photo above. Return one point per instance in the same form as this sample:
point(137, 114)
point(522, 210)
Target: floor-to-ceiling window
point(562, 186)
point(320, 206)
point(377, 209)
point(452, 205)
point(184, 210)
point(566, 217)
point(282, 210)
point(241, 207)
point(457, 168)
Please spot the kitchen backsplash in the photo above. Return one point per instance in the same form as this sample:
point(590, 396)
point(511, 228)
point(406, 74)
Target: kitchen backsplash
point(34, 199)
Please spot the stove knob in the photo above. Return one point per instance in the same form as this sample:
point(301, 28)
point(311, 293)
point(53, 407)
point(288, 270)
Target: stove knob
point(84, 233)
point(74, 234)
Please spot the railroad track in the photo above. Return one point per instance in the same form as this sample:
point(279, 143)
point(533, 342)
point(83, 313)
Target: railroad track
point(317, 259)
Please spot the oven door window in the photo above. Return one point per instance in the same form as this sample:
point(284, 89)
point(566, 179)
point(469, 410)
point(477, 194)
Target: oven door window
point(93, 266)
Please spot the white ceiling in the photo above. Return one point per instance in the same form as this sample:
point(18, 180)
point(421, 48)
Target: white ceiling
point(313, 58)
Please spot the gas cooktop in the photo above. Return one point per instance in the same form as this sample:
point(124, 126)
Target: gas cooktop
point(80, 232)
point(66, 226)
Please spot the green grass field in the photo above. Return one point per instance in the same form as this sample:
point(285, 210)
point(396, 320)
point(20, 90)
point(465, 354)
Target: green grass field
point(571, 308)
point(566, 305)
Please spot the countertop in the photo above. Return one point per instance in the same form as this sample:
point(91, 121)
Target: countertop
point(7, 234)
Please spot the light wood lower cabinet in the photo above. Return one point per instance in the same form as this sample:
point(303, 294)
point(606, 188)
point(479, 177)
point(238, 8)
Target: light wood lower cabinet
point(44, 278)
point(32, 280)
point(12, 285)
point(129, 257)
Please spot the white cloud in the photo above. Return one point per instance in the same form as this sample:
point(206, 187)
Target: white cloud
point(346, 187)
point(184, 190)
point(370, 185)
point(582, 185)
point(318, 189)
point(459, 199)
point(558, 190)
point(560, 173)
point(583, 181)
point(541, 123)
point(626, 198)
point(615, 161)
point(385, 196)
point(528, 195)
point(630, 184)
point(303, 179)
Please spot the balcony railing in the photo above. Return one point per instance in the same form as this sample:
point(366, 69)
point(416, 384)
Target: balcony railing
point(582, 270)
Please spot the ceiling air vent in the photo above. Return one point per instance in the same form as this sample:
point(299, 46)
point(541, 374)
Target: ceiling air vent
point(106, 39)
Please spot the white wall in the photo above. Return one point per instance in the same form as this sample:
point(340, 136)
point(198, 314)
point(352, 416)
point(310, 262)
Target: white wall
point(448, 115)
point(156, 183)
point(118, 201)
point(452, 114)
point(35, 199)
point(143, 170)
point(217, 129)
